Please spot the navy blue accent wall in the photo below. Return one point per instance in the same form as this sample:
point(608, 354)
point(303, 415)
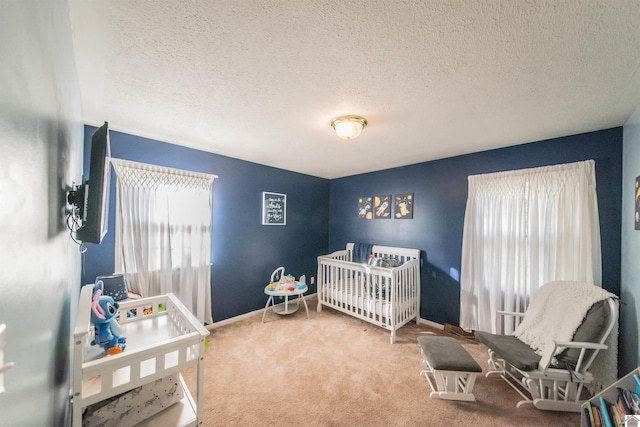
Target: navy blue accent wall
point(440, 194)
point(322, 215)
point(244, 252)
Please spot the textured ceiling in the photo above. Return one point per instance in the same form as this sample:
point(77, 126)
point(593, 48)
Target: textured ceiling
point(261, 80)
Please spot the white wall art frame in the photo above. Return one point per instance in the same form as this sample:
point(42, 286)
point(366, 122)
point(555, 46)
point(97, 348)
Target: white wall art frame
point(274, 208)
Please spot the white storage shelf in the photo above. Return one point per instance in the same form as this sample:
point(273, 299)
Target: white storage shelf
point(610, 394)
point(163, 338)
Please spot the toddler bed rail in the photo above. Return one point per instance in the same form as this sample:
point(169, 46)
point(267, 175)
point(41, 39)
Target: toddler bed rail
point(385, 297)
point(163, 338)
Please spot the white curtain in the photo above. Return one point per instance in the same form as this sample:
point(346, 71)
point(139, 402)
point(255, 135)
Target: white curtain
point(522, 229)
point(163, 232)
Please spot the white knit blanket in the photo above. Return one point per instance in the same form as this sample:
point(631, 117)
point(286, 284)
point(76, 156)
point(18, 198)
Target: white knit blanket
point(555, 313)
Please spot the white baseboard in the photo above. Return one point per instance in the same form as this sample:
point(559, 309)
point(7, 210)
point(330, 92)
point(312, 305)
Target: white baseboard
point(430, 323)
point(308, 298)
point(225, 322)
point(310, 302)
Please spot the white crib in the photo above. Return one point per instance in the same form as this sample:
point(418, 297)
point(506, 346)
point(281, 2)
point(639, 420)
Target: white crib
point(386, 297)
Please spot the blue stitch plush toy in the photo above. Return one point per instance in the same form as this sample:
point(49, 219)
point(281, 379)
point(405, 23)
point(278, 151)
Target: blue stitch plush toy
point(103, 315)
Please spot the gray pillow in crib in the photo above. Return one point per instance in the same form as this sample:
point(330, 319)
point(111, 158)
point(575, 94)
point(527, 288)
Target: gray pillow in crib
point(388, 262)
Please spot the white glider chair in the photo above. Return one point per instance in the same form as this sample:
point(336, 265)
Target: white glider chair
point(548, 357)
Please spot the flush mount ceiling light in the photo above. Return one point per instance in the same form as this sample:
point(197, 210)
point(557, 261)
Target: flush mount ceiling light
point(348, 127)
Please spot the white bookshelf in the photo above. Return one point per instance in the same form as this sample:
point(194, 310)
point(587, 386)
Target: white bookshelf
point(610, 394)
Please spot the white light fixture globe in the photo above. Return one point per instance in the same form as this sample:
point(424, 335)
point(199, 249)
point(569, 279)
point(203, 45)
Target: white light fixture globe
point(348, 127)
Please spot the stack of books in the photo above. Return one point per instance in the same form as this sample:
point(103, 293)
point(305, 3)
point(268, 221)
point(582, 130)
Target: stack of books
point(600, 412)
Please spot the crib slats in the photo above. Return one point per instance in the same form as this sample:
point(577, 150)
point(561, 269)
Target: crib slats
point(386, 297)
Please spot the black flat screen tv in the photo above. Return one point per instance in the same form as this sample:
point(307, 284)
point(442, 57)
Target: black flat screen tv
point(93, 203)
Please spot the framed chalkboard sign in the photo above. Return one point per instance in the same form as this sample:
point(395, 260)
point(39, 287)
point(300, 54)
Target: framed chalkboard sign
point(274, 208)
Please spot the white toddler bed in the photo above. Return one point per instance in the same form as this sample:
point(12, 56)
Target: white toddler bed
point(386, 297)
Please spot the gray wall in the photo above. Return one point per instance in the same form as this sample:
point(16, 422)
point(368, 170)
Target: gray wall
point(630, 268)
point(40, 157)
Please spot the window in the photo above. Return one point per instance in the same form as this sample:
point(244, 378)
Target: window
point(522, 229)
point(163, 233)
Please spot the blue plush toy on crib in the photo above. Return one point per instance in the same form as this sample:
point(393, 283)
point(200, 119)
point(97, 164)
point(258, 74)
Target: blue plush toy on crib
point(103, 315)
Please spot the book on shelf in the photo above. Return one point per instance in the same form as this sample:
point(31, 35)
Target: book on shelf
point(634, 403)
point(615, 414)
point(628, 401)
point(623, 401)
point(588, 414)
point(604, 412)
point(597, 420)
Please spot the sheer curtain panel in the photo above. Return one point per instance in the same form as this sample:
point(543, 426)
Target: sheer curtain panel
point(522, 229)
point(163, 232)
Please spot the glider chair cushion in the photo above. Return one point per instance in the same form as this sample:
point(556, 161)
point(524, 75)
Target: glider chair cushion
point(511, 349)
point(523, 357)
point(565, 331)
point(591, 329)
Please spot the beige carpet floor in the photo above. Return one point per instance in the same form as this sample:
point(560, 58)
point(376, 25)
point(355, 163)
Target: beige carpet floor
point(334, 370)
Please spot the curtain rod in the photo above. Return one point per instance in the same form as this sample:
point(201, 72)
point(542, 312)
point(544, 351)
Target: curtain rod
point(164, 169)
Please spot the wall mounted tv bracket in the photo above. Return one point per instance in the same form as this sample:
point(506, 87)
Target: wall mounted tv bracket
point(78, 199)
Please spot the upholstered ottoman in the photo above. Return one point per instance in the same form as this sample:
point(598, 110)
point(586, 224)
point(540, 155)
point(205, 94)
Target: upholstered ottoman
point(453, 369)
